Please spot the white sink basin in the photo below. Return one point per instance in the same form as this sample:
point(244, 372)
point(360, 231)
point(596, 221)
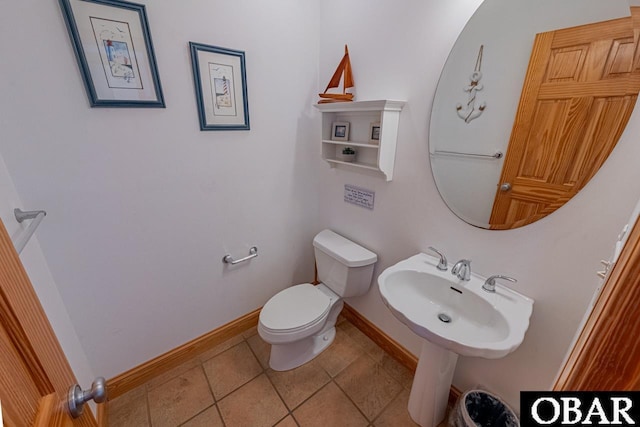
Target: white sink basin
point(480, 323)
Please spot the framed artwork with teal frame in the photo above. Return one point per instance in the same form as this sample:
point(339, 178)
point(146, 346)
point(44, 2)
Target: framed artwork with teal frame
point(113, 47)
point(220, 80)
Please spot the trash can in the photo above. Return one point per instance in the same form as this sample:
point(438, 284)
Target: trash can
point(479, 408)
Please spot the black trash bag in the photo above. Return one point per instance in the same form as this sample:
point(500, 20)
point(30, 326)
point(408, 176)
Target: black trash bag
point(478, 408)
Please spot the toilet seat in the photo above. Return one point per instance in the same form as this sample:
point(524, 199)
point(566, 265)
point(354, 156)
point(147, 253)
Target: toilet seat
point(294, 313)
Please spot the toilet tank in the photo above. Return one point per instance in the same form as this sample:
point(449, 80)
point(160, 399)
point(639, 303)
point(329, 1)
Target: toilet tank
point(344, 266)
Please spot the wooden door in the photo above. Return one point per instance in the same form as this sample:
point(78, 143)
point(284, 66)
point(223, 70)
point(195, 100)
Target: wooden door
point(50, 415)
point(579, 92)
point(34, 373)
point(606, 355)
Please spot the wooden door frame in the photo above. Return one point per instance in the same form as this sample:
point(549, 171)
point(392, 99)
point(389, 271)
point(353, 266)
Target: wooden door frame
point(30, 332)
point(606, 355)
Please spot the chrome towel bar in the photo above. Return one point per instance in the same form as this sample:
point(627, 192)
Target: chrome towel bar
point(228, 259)
point(21, 215)
point(496, 155)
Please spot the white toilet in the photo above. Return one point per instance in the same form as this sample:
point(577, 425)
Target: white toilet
point(299, 322)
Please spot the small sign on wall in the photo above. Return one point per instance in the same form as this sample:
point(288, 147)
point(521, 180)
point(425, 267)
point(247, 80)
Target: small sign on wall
point(359, 196)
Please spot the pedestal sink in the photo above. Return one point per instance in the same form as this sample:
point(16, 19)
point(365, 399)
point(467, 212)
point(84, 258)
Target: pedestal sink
point(456, 318)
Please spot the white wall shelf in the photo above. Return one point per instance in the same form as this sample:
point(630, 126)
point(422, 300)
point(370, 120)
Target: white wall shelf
point(380, 157)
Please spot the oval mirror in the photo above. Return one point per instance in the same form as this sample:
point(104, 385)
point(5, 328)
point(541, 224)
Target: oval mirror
point(530, 103)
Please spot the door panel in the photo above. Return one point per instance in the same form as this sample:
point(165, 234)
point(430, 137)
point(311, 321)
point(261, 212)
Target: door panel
point(50, 413)
point(579, 92)
point(20, 395)
point(32, 363)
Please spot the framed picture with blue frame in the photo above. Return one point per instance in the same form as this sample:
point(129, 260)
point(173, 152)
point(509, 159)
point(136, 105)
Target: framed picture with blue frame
point(220, 81)
point(113, 47)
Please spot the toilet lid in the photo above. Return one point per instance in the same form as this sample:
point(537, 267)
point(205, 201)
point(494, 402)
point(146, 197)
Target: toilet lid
point(294, 308)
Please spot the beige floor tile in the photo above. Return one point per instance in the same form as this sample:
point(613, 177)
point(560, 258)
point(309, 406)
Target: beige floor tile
point(255, 404)
point(287, 422)
point(397, 370)
point(130, 409)
point(172, 373)
point(367, 344)
point(180, 399)
point(396, 414)
point(220, 348)
point(134, 394)
point(342, 351)
point(207, 418)
point(234, 370)
point(445, 422)
point(329, 407)
point(231, 369)
point(261, 349)
point(369, 386)
point(296, 385)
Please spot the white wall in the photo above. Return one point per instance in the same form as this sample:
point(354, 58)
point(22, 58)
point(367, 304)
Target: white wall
point(142, 204)
point(36, 265)
point(397, 50)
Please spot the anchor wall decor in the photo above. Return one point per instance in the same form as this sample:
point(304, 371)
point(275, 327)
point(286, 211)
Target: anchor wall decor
point(472, 112)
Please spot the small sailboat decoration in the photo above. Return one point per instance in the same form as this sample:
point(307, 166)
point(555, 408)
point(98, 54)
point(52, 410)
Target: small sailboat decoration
point(343, 72)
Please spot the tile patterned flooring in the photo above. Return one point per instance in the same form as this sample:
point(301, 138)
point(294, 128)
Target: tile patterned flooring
point(352, 383)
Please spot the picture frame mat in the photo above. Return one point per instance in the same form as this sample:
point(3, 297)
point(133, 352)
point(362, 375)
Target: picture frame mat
point(335, 126)
point(83, 11)
point(205, 58)
point(372, 126)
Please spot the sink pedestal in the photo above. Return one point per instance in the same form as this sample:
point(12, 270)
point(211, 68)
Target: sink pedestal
point(431, 385)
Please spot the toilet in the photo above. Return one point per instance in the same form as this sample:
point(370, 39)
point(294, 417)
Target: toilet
point(299, 322)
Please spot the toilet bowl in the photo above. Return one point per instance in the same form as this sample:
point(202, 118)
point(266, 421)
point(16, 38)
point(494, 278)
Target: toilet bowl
point(299, 321)
point(299, 324)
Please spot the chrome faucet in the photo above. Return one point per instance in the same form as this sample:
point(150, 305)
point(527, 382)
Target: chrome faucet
point(442, 265)
point(462, 269)
point(490, 283)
